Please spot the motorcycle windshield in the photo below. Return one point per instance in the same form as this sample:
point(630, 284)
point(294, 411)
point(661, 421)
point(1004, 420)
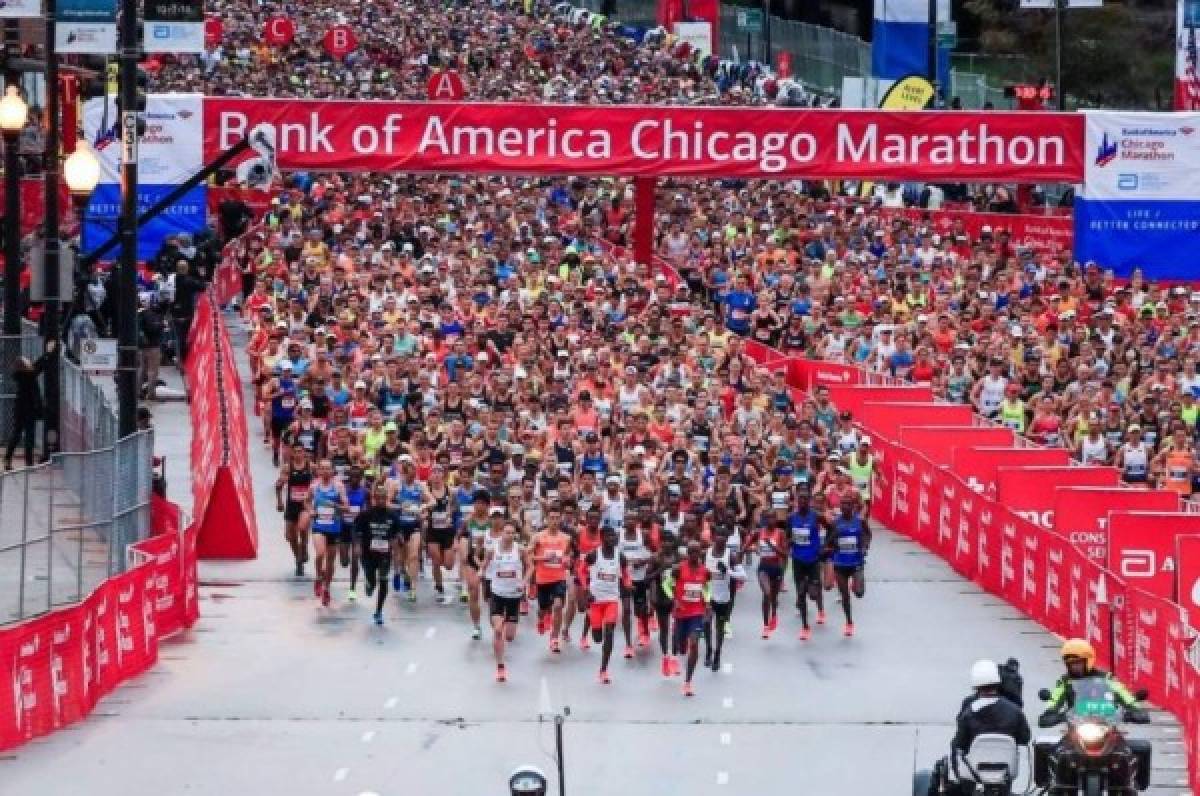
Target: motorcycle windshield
point(1094, 698)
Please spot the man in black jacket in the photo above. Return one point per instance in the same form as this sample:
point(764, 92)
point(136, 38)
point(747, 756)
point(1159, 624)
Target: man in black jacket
point(988, 711)
point(28, 406)
point(151, 325)
point(187, 287)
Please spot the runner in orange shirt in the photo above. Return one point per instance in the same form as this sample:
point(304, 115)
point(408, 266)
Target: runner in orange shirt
point(551, 550)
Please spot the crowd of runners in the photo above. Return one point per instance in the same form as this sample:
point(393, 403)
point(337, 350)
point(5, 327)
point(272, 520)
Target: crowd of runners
point(472, 398)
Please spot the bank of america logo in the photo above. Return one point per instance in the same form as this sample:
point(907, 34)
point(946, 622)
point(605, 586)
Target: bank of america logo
point(1107, 151)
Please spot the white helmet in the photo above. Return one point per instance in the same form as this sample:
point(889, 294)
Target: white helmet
point(527, 779)
point(984, 673)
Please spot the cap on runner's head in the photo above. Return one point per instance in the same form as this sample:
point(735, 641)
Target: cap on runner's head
point(985, 673)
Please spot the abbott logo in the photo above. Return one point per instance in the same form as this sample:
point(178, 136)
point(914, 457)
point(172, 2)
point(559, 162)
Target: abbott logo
point(1138, 563)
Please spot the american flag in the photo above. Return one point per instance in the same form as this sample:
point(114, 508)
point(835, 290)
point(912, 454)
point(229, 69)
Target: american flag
point(1191, 80)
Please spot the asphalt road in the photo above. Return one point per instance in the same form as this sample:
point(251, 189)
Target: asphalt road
point(272, 694)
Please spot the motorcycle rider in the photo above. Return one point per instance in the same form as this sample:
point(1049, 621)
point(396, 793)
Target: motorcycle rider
point(1079, 658)
point(988, 710)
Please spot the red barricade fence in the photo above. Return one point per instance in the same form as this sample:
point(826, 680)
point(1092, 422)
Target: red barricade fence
point(58, 666)
point(1026, 525)
point(221, 487)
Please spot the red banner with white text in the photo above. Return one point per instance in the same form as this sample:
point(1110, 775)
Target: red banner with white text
point(1081, 513)
point(223, 497)
point(1141, 547)
point(1042, 234)
point(1030, 491)
point(977, 465)
point(54, 669)
point(638, 141)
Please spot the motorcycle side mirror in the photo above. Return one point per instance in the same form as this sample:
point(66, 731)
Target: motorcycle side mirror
point(1044, 694)
point(1141, 695)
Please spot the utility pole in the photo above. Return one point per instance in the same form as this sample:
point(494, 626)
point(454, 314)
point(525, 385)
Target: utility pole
point(1060, 8)
point(127, 351)
point(51, 244)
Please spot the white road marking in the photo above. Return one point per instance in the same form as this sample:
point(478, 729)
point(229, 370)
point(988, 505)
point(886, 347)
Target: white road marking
point(727, 668)
point(340, 774)
point(368, 736)
point(412, 668)
point(391, 703)
point(722, 777)
point(368, 793)
point(431, 632)
point(727, 702)
point(726, 738)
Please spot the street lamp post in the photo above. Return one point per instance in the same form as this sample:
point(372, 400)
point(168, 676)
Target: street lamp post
point(81, 170)
point(13, 113)
point(50, 233)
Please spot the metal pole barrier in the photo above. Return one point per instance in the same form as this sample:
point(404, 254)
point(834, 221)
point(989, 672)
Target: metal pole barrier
point(12, 238)
point(24, 547)
point(50, 330)
point(559, 720)
point(50, 538)
point(1060, 94)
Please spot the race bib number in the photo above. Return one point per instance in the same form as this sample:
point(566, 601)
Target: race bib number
point(380, 545)
point(288, 403)
point(693, 592)
point(848, 544)
point(325, 513)
point(298, 494)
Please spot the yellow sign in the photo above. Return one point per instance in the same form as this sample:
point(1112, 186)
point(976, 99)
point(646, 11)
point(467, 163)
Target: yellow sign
point(910, 93)
point(111, 71)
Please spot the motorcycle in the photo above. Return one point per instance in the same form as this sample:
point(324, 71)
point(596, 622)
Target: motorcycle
point(1093, 757)
point(989, 768)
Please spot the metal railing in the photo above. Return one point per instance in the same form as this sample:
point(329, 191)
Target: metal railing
point(67, 523)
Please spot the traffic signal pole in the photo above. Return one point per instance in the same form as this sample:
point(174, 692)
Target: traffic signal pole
point(127, 347)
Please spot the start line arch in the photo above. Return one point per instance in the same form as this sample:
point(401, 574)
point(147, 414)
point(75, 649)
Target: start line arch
point(647, 142)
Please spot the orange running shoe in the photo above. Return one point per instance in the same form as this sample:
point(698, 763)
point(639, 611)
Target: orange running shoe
point(584, 643)
point(555, 647)
point(666, 666)
point(501, 673)
point(687, 689)
point(604, 678)
point(821, 617)
point(848, 630)
point(805, 634)
point(628, 652)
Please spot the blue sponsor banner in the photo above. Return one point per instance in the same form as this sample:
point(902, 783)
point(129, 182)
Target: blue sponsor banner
point(188, 214)
point(1158, 236)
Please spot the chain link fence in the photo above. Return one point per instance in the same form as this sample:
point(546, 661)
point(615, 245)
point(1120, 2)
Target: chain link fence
point(68, 522)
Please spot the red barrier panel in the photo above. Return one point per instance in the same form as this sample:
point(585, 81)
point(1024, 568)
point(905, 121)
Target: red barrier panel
point(939, 442)
point(1030, 491)
point(57, 667)
point(221, 487)
point(1187, 571)
point(1156, 626)
point(929, 494)
point(1043, 234)
point(1058, 555)
point(977, 465)
point(1141, 547)
point(1081, 513)
point(883, 485)
point(851, 397)
point(987, 520)
point(949, 506)
point(905, 492)
point(888, 418)
point(965, 559)
point(809, 374)
point(1031, 568)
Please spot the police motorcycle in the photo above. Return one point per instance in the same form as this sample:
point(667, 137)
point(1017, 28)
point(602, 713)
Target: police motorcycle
point(989, 767)
point(1093, 757)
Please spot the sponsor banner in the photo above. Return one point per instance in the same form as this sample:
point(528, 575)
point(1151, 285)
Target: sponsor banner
point(1156, 236)
point(1141, 547)
point(1155, 626)
point(174, 26)
point(851, 397)
point(884, 480)
point(939, 442)
point(1140, 206)
point(86, 27)
point(1027, 590)
point(630, 141)
point(1187, 569)
point(1081, 514)
point(977, 464)
point(889, 417)
point(1142, 156)
point(188, 214)
point(1030, 491)
point(809, 374)
point(1042, 234)
point(21, 9)
point(54, 669)
point(33, 203)
point(169, 154)
point(964, 558)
